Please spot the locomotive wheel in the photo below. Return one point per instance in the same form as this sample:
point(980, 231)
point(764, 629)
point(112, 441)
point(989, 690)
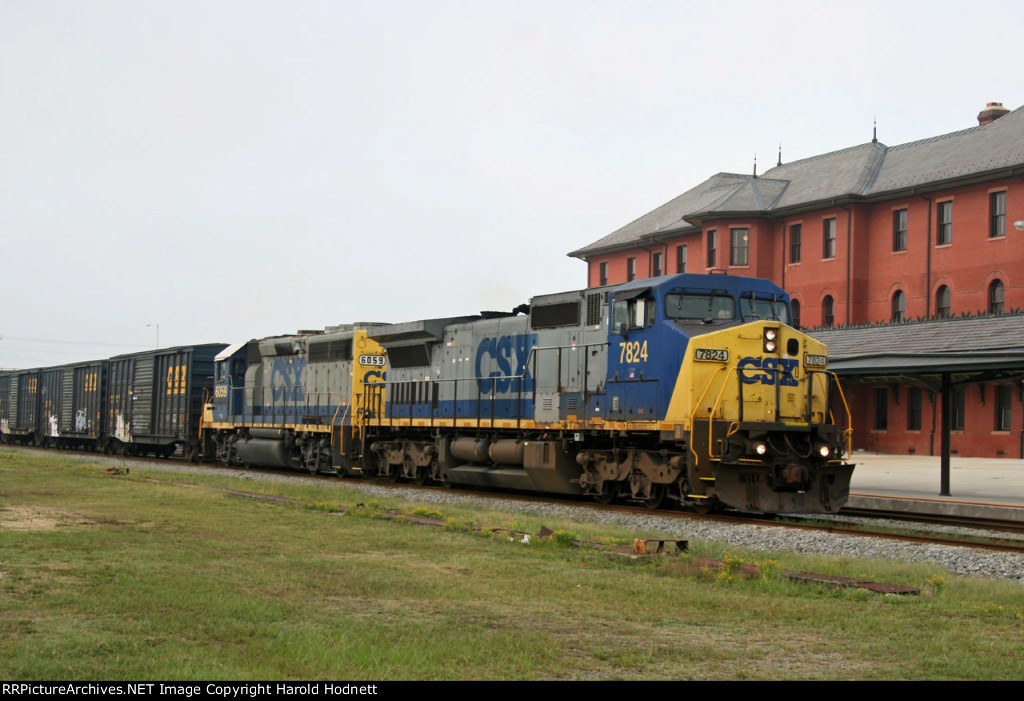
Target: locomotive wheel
point(383, 468)
point(707, 506)
point(409, 470)
point(446, 481)
point(422, 473)
point(609, 490)
point(658, 492)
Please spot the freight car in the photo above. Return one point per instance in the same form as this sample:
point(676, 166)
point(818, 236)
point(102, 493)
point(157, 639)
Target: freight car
point(154, 400)
point(690, 388)
point(137, 404)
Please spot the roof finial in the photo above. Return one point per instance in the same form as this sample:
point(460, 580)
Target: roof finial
point(755, 165)
point(780, 154)
point(874, 132)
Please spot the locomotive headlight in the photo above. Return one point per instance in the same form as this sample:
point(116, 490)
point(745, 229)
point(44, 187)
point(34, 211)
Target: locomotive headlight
point(824, 451)
point(768, 340)
point(760, 449)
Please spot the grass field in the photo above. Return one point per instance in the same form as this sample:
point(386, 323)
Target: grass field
point(122, 578)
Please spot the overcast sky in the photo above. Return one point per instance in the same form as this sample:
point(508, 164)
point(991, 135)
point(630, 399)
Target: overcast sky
point(236, 169)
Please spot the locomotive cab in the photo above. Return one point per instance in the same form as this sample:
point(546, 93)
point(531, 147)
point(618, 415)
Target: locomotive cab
point(229, 382)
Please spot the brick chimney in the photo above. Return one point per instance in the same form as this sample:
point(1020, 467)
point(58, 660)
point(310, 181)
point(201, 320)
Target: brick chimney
point(992, 112)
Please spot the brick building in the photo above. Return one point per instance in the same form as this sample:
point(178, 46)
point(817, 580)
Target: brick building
point(864, 235)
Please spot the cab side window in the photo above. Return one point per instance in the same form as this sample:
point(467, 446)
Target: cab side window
point(633, 314)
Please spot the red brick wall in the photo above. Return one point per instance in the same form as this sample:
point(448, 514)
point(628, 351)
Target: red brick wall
point(978, 437)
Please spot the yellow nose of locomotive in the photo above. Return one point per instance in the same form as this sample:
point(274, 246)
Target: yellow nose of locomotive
point(762, 371)
point(752, 403)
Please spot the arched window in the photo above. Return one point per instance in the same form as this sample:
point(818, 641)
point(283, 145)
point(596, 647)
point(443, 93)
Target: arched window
point(796, 313)
point(995, 297)
point(899, 306)
point(943, 302)
point(828, 315)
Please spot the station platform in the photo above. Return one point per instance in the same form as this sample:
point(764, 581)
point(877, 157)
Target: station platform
point(979, 487)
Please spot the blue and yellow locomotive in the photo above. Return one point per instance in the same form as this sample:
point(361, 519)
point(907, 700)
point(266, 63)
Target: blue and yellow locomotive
point(690, 388)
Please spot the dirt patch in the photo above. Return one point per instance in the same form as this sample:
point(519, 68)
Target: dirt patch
point(38, 518)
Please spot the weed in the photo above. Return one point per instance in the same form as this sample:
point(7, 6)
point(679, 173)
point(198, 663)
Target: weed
point(457, 524)
point(428, 513)
point(563, 539)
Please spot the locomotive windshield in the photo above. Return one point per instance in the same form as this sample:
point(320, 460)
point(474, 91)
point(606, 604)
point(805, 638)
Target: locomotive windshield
point(706, 306)
point(767, 307)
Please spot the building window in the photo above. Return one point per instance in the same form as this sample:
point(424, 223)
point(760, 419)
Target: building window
point(630, 269)
point(711, 249)
point(997, 214)
point(1004, 395)
point(945, 233)
point(794, 243)
point(829, 239)
point(657, 265)
point(881, 409)
point(943, 302)
point(796, 313)
point(899, 230)
point(956, 422)
point(899, 306)
point(913, 409)
point(995, 297)
point(828, 312)
point(603, 274)
point(740, 247)
point(680, 259)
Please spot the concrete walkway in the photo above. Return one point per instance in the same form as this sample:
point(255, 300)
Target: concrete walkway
point(987, 480)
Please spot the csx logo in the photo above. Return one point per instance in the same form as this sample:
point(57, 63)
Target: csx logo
point(770, 369)
point(510, 354)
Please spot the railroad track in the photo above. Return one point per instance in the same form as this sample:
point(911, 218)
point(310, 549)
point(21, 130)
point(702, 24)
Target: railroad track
point(815, 523)
point(988, 524)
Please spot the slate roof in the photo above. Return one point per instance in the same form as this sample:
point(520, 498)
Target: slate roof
point(977, 333)
point(936, 345)
point(871, 170)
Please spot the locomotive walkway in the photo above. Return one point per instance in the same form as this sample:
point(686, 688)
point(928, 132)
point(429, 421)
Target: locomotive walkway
point(993, 487)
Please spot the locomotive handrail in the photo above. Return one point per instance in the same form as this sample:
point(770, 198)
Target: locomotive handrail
point(334, 419)
point(289, 404)
point(718, 399)
point(711, 411)
point(848, 431)
point(530, 365)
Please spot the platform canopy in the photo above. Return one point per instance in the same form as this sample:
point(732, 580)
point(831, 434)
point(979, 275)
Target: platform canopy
point(936, 354)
